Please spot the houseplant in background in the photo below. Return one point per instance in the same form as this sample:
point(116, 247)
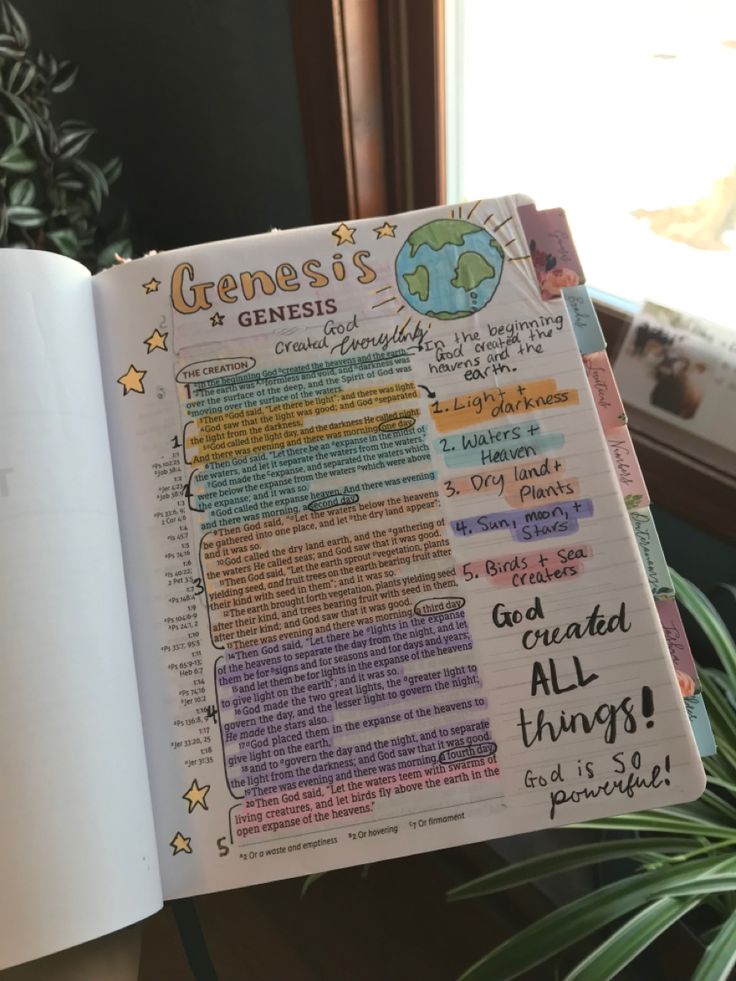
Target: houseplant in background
point(686, 858)
point(52, 197)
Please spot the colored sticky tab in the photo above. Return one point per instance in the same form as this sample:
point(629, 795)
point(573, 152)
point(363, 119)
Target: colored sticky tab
point(556, 262)
point(652, 556)
point(584, 319)
point(628, 471)
point(605, 390)
point(700, 724)
point(687, 675)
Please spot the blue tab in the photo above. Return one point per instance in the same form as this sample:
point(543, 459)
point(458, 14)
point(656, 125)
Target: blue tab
point(584, 319)
point(700, 725)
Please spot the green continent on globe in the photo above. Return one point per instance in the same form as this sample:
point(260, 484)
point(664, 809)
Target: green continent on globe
point(417, 282)
point(471, 270)
point(450, 231)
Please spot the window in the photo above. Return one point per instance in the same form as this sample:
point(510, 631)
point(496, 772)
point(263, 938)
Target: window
point(624, 118)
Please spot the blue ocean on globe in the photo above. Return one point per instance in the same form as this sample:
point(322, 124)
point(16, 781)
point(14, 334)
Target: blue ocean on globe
point(449, 268)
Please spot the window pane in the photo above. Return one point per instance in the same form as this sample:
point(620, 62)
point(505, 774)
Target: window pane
point(623, 119)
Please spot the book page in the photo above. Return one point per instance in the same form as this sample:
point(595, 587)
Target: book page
point(386, 595)
point(78, 856)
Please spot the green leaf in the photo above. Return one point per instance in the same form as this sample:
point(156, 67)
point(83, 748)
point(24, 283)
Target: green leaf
point(66, 241)
point(96, 181)
point(717, 962)
point(709, 935)
point(707, 809)
point(14, 23)
point(70, 183)
point(14, 158)
point(662, 822)
point(568, 924)
point(21, 75)
point(73, 141)
point(630, 940)
point(541, 866)
point(719, 807)
point(18, 129)
point(716, 767)
point(95, 196)
point(22, 191)
point(112, 169)
point(710, 885)
point(25, 216)
point(122, 247)
point(720, 679)
point(728, 587)
point(65, 77)
point(726, 784)
point(42, 135)
point(719, 710)
point(93, 173)
point(309, 881)
point(19, 106)
point(9, 47)
point(47, 64)
point(723, 720)
point(709, 621)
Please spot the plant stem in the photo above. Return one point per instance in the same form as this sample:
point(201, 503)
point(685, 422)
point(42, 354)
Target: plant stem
point(713, 846)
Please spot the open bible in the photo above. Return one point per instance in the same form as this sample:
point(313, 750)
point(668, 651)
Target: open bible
point(318, 547)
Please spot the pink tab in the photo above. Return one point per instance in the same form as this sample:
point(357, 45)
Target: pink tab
point(628, 471)
point(552, 249)
point(679, 647)
point(605, 390)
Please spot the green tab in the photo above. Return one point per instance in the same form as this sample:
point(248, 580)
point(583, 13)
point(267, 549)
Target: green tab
point(651, 554)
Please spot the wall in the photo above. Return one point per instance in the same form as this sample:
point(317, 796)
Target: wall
point(199, 99)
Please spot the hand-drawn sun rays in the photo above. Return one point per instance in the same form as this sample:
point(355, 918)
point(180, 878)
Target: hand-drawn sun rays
point(382, 301)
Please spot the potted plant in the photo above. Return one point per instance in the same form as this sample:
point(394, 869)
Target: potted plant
point(52, 196)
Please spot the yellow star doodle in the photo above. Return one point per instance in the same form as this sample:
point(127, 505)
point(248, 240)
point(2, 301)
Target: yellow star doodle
point(181, 844)
point(217, 319)
point(344, 235)
point(157, 341)
point(132, 381)
point(386, 230)
point(196, 795)
point(152, 285)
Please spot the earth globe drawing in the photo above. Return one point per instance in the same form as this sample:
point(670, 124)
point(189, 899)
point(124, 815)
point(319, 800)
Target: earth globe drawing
point(449, 268)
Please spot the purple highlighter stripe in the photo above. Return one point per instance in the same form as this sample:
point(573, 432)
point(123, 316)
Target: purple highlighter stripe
point(529, 524)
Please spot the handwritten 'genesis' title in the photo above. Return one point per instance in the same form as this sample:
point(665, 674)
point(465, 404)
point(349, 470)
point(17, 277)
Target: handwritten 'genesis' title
point(188, 295)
